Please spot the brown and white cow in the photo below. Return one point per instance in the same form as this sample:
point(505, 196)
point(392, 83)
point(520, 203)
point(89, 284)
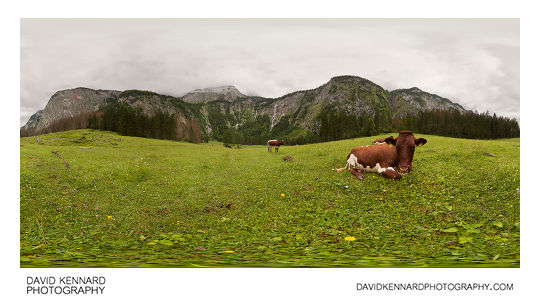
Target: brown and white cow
point(275, 144)
point(391, 159)
point(380, 140)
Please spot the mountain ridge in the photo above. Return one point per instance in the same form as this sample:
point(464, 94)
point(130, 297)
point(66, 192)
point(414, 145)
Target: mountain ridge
point(218, 108)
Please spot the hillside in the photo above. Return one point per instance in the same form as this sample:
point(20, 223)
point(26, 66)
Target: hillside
point(70, 103)
point(410, 101)
point(221, 108)
point(136, 202)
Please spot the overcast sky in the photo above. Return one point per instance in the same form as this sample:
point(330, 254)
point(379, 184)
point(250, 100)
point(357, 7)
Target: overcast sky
point(474, 62)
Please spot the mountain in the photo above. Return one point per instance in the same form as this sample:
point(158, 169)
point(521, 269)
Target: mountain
point(34, 120)
point(149, 102)
point(411, 101)
point(227, 93)
point(347, 94)
point(70, 103)
point(221, 108)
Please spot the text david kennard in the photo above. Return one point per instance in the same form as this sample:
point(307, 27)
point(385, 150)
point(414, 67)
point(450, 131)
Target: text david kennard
point(66, 285)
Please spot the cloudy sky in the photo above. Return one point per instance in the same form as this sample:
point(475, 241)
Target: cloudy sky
point(474, 62)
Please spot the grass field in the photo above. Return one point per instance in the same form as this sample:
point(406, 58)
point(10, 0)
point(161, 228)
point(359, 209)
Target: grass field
point(135, 202)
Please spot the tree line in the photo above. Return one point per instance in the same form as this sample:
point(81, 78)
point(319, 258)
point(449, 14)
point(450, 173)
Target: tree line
point(332, 125)
point(454, 123)
point(128, 121)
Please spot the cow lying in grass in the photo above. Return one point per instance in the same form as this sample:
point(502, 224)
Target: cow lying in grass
point(380, 140)
point(384, 158)
point(275, 144)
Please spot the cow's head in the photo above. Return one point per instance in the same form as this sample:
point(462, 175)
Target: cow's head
point(380, 140)
point(281, 142)
point(383, 140)
point(405, 145)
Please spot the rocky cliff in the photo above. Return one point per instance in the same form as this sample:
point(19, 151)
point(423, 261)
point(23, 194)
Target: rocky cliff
point(72, 102)
point(413, 100)
point(33, 121)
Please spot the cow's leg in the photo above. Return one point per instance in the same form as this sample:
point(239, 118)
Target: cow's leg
point(389, 172)
point(277, 148)
point(343, 168)
point(269, 148)
point(357, 173)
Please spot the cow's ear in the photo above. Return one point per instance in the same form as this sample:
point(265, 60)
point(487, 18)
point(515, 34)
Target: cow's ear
point(420, 141)
point(390, 140)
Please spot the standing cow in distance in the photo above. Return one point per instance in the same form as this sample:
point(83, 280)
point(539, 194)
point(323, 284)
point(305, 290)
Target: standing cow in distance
point(275, 144)
point(380, 140)
point(384, 158)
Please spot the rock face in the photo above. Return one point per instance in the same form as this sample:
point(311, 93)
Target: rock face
point(34, 120)
point(351, 95)
point(413, 100)
point(73, 102)
point(148, 102)
point(219, 108)
point(227, 93)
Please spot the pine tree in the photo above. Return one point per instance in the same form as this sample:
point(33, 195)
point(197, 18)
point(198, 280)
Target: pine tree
point(369, 128)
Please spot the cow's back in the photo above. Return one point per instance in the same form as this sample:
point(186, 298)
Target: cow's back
point(370, 155)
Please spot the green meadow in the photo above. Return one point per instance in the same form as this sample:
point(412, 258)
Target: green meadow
point(136, 202)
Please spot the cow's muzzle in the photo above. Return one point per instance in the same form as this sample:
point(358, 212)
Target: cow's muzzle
point(404, 170)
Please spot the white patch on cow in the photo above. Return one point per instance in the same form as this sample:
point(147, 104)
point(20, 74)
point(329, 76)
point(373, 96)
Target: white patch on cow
point(383, 169)
point(373, 169)
point(376, 168)
point(352, 161)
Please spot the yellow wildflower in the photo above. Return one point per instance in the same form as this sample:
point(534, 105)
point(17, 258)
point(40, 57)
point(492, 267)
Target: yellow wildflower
point(350, 238)
point(229, 251)
point(282, 195)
